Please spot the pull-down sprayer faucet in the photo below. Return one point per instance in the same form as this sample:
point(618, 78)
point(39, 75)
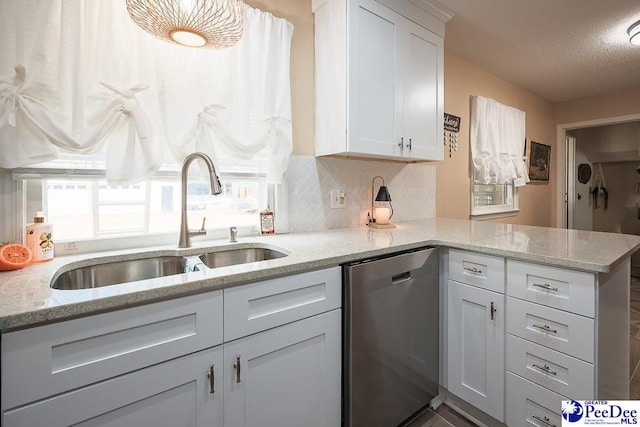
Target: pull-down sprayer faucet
point(216, 188)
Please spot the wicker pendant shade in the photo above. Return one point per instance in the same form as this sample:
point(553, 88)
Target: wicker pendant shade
point(194, 23)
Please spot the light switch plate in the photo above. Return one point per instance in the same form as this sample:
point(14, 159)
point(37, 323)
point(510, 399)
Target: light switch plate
point(338, 199)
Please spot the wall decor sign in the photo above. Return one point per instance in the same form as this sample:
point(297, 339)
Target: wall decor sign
point(539, 162)
point(451, 122)
point(451, 129)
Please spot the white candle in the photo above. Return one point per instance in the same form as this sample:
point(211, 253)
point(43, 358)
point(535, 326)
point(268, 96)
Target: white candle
point(382, 215)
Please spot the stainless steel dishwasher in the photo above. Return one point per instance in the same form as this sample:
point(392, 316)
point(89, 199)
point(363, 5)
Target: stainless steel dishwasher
point(390, 334)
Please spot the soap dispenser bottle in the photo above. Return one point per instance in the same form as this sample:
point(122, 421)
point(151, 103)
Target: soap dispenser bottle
point(40, 238)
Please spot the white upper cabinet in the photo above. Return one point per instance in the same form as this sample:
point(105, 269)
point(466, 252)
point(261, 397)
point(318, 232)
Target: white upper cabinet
point(379, 80)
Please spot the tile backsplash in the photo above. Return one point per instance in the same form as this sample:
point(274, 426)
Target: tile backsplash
point(310, 181)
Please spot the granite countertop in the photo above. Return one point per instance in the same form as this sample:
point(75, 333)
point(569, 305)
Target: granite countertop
point(27, 300)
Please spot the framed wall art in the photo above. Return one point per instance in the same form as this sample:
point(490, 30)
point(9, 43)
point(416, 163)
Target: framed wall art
point(539, 162)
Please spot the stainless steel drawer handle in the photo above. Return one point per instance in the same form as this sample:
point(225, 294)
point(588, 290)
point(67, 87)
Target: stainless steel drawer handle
point(410, 144)
point(237, 367)
point(545, 368)
point(545, 286)
point(212, 380)
point(473, 270)
point(545, 420)
point(545, 328)
point(493, 310)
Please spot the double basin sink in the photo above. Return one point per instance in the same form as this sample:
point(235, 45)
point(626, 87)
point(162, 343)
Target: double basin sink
point(118, 272)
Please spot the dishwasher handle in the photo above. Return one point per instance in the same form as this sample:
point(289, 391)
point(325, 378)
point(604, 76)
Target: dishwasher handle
point(399, 278)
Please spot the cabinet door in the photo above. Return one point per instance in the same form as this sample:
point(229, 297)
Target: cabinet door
point(175, 393)
point(375, 96)
point(287, 376)
point(423, 92)
point(475, 345)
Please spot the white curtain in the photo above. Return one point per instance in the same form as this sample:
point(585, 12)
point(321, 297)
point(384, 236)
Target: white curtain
point(497, 142)
point(78, 76)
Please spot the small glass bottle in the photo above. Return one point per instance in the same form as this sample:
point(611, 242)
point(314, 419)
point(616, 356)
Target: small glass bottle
point(267, 221)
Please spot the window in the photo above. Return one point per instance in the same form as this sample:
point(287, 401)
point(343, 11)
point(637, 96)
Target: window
point(86, 209)
point(92, 209)
point(75, 197)
point(492, 199)
point(497, 136)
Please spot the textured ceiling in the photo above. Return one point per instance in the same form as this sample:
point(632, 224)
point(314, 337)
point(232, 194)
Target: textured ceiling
point(559, 50)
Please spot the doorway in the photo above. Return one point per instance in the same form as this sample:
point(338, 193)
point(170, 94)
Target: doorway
point(616, 152)
point(600, 177)
point(571, 194)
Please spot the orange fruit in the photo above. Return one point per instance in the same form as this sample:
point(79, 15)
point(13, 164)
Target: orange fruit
point(14, 256)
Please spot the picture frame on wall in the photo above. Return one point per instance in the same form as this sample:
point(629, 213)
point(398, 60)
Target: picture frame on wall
point(539, 162)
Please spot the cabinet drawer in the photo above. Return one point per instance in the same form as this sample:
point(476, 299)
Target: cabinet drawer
point(559, 330)
point(264, 305)
point(50, 359)
point(568, 290)
point(480, 270)
point(556, 371)
point(528, 404)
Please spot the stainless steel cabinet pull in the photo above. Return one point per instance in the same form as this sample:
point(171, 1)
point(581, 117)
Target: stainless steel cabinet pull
point(546, 286)
point(473, 270)
point(401, 145)
point(237, 366)
point(409, 145)
point(546, 328)
point(544, 420)
point(212, 380)
point(493, 310)
point(545, 368)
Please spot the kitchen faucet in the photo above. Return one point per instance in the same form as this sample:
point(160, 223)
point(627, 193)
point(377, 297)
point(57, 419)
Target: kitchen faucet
point(216, 188)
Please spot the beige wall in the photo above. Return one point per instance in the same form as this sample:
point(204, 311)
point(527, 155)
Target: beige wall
point(298, 12)
point(598, 107)
point(463, 79)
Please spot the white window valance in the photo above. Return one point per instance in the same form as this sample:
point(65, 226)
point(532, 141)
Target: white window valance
point(78, 76)
point(497, 143)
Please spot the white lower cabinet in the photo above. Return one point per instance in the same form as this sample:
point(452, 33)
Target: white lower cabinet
point(287, 376)
point(556, 334)
point(475, 347)
point(173, 364)
point(177, 393)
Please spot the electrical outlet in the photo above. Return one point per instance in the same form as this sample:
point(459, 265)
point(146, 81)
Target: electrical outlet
point(70, 246)
point(338, 199)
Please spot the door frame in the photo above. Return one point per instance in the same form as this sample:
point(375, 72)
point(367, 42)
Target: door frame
point(563, 188)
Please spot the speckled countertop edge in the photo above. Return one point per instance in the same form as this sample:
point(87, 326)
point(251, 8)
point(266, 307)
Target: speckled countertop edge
point(27, 300)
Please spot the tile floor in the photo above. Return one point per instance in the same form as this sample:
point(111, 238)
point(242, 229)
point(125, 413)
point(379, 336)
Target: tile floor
point(442, 417)
point(634, 330)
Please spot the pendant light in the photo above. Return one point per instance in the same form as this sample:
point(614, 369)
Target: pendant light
point(634, 33)
point(193, 23)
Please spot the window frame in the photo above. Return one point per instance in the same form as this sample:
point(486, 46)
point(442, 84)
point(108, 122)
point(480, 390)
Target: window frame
point(493, 211)
point(21, 178)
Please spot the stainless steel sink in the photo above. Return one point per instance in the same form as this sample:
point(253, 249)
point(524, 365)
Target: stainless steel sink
point(111, 273)
point(239, 256)
point(118, 272)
